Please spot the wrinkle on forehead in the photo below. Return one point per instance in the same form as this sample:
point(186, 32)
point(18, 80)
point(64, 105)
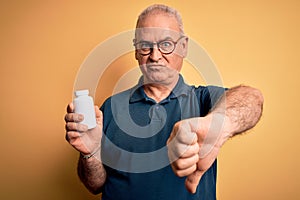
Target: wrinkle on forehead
point(155, 34)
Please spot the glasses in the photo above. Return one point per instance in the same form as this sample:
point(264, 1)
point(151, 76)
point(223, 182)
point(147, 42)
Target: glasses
point(165, 46)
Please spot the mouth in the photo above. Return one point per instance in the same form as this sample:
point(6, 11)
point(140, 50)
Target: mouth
point(151, 66)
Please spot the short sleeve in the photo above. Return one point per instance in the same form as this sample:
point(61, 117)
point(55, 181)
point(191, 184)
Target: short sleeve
point(208, 97)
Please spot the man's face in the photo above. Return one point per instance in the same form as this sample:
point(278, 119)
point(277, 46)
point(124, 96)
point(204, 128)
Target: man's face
point(159, 67)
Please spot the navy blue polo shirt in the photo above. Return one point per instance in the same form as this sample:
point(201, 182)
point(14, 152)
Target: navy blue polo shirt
point(134, 152)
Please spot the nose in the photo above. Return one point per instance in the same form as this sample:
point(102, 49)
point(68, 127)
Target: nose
point(155, 54)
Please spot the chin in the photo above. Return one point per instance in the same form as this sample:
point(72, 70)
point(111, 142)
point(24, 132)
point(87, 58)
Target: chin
point(162, 80)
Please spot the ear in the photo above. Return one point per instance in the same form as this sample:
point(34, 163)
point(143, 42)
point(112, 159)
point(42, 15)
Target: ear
point(184, 46)
point(135, 54)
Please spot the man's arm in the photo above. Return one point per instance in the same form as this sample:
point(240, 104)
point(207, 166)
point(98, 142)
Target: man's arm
point(92, 173)
point(242, 106)
point(194, 143)
point(88, 142)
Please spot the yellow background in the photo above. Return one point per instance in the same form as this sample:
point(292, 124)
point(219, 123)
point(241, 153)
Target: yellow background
point(43, 44)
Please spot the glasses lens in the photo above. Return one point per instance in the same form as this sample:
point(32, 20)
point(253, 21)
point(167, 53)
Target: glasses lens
point(166, 46)
point(144, 47)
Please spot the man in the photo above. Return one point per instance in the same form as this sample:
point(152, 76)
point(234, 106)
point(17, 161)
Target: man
point(126, 157)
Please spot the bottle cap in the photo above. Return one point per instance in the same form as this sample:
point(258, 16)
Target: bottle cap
point(81, 92)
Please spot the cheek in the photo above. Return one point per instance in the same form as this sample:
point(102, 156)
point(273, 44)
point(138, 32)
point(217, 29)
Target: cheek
point(141, 59)
point(176, 62)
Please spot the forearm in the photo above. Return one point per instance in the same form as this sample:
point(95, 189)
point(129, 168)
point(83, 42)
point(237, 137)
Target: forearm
point(92, 173)
point(242, 107)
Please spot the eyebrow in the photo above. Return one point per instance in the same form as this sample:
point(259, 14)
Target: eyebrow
point(167, 38)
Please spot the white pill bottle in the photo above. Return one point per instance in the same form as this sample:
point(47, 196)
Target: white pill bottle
point(84, 104)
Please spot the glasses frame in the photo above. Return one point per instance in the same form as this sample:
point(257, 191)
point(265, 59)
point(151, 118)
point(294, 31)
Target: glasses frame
point(157, 45)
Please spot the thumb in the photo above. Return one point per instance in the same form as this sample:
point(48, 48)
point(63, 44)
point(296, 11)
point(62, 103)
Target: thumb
point(99, 115)
point(192, 181)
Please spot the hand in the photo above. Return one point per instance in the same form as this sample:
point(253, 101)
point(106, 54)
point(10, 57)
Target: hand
point(83, 140)
point(194, 145)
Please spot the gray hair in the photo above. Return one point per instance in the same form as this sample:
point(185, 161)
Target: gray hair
point(159, 8)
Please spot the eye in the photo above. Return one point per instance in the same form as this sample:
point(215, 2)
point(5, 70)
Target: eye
point(145, 45)
point(166, 44)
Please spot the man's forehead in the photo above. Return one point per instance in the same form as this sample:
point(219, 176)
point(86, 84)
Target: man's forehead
point(154, 33)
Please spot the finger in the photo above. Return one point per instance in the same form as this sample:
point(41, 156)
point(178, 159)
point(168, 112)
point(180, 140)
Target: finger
point(97, 111)
point(183, 150)
point(172, 156)
point(191, 150)
point(73, 138)
point(192, 181)
point(186, 137)
point(177, 148)
point(182, 131)
point(99, 115)
point(73, 117)
point(185, 163)
point(70, 135)
point(70, 107)
point(72, 126)
point(184, 172)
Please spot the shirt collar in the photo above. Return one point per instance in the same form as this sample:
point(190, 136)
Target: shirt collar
point(137, 92)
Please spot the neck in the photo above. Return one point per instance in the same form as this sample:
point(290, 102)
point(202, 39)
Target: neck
point(159, 92)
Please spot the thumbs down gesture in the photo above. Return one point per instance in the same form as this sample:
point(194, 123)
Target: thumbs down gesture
point(194, 145)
